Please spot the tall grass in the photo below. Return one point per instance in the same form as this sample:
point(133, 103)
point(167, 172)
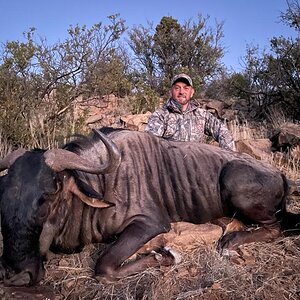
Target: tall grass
point(5, 147)
point(288, 163)
point(277, 117)
point(242, 130)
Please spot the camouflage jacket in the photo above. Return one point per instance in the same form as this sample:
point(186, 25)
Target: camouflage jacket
point(191, 125)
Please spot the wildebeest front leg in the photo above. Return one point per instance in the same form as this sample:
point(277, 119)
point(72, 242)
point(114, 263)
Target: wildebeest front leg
point(111, 263)
point(232, 240)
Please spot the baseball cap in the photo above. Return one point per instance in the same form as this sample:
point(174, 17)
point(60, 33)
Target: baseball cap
point(182, 78)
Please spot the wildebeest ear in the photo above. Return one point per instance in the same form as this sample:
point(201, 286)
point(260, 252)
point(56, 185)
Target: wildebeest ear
point(87, 189)
point(87, 194)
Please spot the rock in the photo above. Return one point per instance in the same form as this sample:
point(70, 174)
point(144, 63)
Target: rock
point(257, 148)
point(230, 114)
point(215, 107)
point(286, 137)
point(135, 122)
point(188, 236)
point(184, 237)
point(96, 111)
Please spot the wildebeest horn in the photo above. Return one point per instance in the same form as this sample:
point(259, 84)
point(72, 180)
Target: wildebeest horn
point(60, 159)
point(9, 159)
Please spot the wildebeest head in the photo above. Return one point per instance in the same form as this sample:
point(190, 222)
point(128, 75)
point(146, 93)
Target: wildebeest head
point(34, 181)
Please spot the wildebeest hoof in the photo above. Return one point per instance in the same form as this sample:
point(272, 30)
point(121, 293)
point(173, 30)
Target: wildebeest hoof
point(176, 255)
point(227, 242)
point(167, 256)
point(157, 255)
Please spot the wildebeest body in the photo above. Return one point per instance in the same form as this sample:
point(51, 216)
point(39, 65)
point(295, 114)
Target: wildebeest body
point(181, 181)
point(156, 182)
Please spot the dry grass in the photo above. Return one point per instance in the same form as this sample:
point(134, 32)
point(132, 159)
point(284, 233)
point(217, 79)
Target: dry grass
point(269, 271)
point(277, 117)
point(5, 147)
point(286, 163)
point(243, 130)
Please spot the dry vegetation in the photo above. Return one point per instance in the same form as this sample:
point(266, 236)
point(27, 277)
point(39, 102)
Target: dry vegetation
point(268, 271)
point(265, 270)
point(271, 271)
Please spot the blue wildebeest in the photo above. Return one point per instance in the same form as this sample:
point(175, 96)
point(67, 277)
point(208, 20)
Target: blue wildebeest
point(128, 186)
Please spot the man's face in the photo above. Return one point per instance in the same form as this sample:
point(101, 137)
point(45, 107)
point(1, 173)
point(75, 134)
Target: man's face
point(182, 93)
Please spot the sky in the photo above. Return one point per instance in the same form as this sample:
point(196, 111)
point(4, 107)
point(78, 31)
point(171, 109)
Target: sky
point(246, 22)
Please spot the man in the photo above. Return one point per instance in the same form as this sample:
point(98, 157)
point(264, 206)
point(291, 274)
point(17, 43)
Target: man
point(182, 119)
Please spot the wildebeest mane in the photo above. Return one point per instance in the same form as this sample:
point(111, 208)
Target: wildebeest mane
point(79, 143)
point(85, 142)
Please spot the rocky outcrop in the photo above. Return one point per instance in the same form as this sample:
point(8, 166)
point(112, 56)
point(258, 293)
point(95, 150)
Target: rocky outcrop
point(286, 137)
point(135, 122)
point(97, 111)
point(258, 148)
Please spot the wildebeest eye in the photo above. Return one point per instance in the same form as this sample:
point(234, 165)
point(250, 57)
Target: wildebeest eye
point(53, 187)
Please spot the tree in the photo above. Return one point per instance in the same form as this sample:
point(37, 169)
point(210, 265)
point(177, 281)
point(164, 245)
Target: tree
point(291, 16)
point(228, 86)
point(273, 75)
point(39, 82)
point(170, 48)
